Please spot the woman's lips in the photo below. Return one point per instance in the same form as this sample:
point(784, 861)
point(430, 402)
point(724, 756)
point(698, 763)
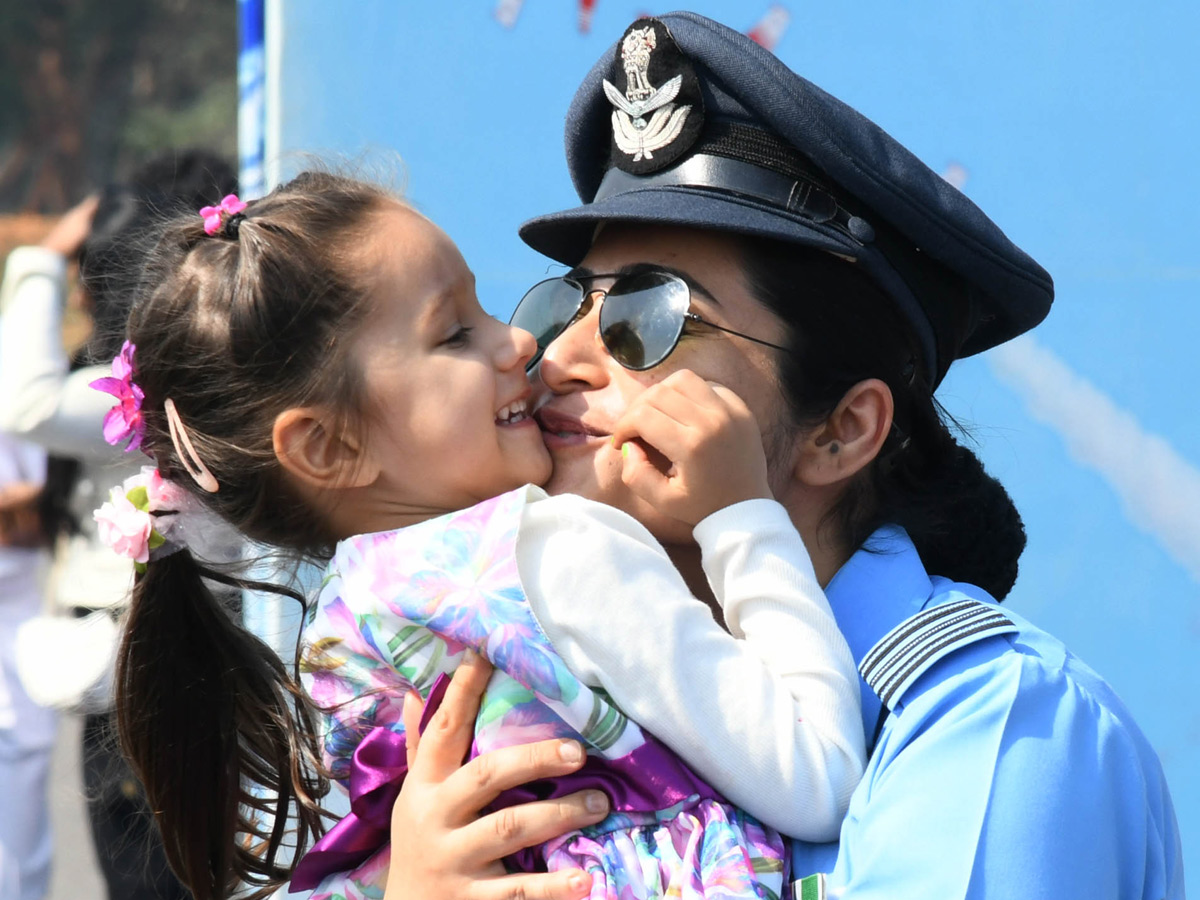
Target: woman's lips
point(562, 430)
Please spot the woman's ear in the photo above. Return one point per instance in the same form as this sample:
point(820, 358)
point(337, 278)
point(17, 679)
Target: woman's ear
point(311, 446)
point(850, 438)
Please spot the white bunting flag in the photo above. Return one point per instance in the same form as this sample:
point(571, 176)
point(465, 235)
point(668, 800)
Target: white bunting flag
point(507, 12)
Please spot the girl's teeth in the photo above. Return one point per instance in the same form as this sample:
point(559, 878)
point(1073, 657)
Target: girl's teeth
point(514, 412)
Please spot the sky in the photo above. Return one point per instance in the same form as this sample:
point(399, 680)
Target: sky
point(1074, 125)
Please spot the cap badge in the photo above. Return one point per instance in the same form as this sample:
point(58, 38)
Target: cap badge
point(649, 120)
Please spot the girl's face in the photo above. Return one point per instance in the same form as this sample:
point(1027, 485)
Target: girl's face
point(448, 420)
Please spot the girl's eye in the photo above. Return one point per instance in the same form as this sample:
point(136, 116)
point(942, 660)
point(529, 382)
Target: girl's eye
point(459, 339)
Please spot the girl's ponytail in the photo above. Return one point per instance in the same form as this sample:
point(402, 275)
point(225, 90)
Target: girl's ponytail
point(218, 732)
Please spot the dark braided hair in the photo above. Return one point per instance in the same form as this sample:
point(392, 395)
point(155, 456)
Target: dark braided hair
point(234, 328)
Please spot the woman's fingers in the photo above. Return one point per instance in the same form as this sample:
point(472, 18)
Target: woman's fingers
point(514, 828)
point(472, 787)
point(411, 716)
point(569, 884)
point(448, 736)
point(441, 847)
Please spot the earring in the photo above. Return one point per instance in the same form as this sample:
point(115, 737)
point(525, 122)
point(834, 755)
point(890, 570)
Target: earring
point(833, 447)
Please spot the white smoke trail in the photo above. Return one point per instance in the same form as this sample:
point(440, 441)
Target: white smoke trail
point(1159, 489)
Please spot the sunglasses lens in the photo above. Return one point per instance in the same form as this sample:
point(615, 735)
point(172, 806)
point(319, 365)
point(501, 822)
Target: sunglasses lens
point(642, 318)
point(547, 308)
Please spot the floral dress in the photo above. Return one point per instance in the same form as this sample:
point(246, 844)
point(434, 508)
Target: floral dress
point(395, 613)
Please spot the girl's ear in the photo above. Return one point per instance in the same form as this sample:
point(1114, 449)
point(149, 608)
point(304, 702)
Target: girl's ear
point(850, 438)
point(311, 446)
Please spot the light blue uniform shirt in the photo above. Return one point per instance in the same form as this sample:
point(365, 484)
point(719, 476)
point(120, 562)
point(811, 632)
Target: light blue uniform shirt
point(1006, 769)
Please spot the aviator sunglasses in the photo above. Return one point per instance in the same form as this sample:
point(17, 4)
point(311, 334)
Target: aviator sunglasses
point(642, 315)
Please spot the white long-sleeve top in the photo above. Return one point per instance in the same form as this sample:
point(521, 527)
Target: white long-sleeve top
point(768, 711)
point(43, 401)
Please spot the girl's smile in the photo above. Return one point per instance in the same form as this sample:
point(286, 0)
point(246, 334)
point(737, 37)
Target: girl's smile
point(449, 402)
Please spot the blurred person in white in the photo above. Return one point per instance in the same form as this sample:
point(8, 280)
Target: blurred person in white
point(46, 399)
point(26, 729)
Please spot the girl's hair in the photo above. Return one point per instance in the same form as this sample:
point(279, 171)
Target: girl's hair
point(234, 328)
point(843, 329)
point(109, 260)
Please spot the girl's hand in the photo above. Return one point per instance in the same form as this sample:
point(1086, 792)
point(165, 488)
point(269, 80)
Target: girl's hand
point(441, 846)
point(691, 447)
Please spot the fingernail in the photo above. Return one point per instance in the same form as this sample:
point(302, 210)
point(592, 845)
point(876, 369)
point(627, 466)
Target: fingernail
point(469, 657)
point(625, 451)
point(580, 882)
point(570, 751)
point(595, 801)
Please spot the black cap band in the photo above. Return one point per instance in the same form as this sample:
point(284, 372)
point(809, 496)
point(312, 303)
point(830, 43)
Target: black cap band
point(795, 194)
point(799, 196)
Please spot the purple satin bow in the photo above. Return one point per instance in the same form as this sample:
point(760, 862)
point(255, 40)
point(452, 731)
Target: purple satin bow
point(376, 774)
point(377, 771)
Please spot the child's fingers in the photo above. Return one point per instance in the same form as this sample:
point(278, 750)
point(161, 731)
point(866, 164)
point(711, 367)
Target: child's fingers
point(641, 475)
point(658, 428)
point(688, 384)
point(735, 406)
point(701, 408)
point(713, 397)
point(652, 401)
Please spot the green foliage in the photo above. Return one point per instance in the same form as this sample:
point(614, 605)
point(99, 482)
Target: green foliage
point(205, 122)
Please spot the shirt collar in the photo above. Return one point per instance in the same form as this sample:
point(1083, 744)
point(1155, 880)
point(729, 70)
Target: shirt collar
point(881, 585)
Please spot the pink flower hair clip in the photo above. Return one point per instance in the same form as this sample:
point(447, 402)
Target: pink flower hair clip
point(144, 515)
point(124, 422)
point(216, 216)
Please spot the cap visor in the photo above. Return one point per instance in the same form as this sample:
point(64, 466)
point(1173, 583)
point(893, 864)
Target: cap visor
point(568, 235)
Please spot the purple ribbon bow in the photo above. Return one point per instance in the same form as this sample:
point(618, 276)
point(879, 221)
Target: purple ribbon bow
point(377, 771)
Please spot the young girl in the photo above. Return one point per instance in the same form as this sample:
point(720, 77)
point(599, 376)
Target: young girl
point(316, 369)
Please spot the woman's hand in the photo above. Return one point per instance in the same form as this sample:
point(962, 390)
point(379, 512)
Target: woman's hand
point(441, 846)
